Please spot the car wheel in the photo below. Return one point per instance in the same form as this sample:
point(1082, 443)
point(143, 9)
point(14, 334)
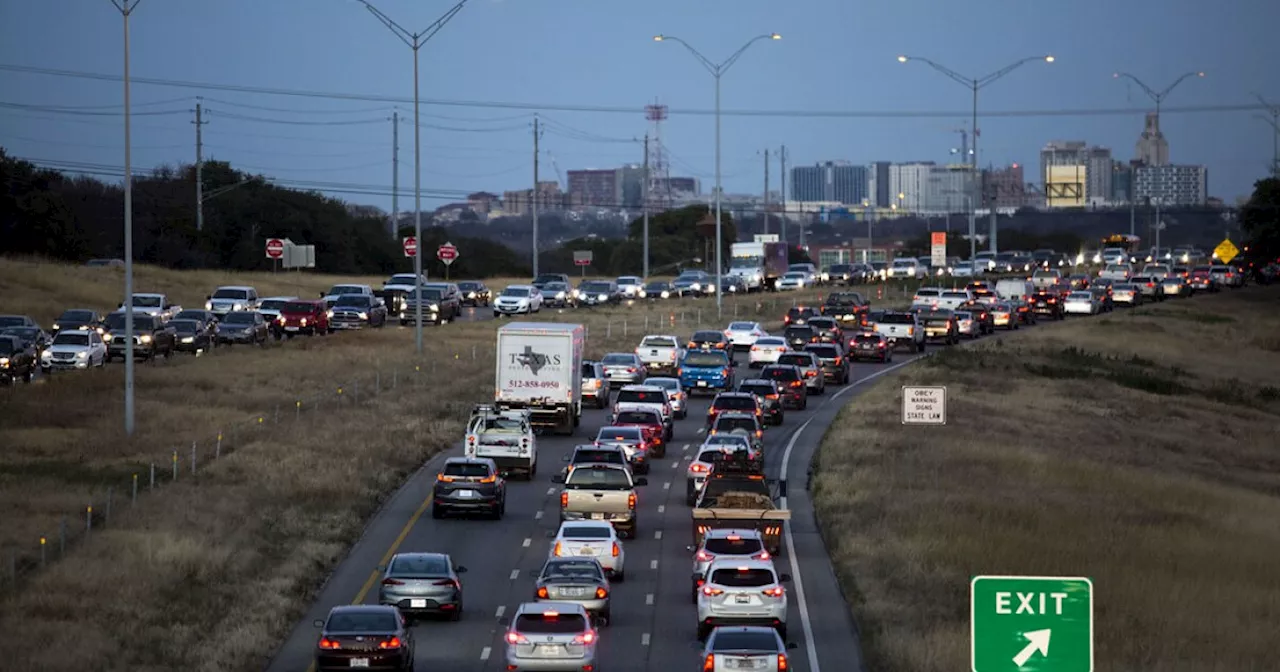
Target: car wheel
point(437, 512)
point(455, 616)
point(621, 577)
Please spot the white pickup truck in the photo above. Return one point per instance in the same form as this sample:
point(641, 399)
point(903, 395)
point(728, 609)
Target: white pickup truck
point(1045, 278)
point(659, 353)
point(953, 299)
point(1116, 273)
point(902, 330)
point(504, 436)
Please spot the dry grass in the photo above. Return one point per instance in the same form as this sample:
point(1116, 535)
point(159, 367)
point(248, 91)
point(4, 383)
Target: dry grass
point(217, 566)
point(1137, 449)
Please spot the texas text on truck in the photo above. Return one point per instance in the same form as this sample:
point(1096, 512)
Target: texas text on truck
point(538, 369)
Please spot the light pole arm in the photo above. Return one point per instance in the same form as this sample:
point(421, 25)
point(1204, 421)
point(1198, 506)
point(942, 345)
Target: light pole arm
point(1273, 110)
point(716, 69)
point(728, 62)
point(966, 81)
point(413, 40)
point(983, 81)
point(1178, 81)
point(126, 7)
point(1141, 84)
point(1270, 122)
point(222, 190)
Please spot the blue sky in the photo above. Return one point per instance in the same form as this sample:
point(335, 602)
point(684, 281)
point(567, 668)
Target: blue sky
point(836, 55)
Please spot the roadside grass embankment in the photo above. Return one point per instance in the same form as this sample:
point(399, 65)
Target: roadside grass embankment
point(219, 564)
point(1137, 448)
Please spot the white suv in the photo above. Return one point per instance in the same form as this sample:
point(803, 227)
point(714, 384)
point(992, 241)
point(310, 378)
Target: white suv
point(742, 592)
point(725, 544)
point(551, 636)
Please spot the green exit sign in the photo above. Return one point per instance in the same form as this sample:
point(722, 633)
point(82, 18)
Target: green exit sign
point(1031, 624)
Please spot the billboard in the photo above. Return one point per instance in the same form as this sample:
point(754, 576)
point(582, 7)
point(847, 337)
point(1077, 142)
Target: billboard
point(1064, 186)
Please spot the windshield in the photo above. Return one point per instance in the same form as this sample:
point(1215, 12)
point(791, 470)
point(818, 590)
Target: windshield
point(231, 294)
point(618, 434)
point(638, 418)
point(556, 287)
point(658, 342)
point(347, 621)
point(955, 295)
point(628, 280)
point(400, 280)
point(469, 286)
point(339, 290)
point(735, 402)
point(590, 455)
point(596, 287)
point(656, 287)
point(824, 351)
point(796, 359)
point(597, 478)
point(183, 326)
point(904, 263)
point(641, 397)
point(867, 338)
point(798, 332)
point(466, 469)
point(115, 322)
point(352, 301)
point(547, 277)
point(728, 423)
point(740, 577)
point(705, 359)
point(727, 640)
point(299, 307)
point(553, 624)
point(794, 276)
point(896, 318)
point(927, 292)
point(780, 373)
point(771, 341)
point(690, 275)
point(517, 292)
point(572, 569)
point(757, 389)
point(1080, 296)
point(420, 565)
point(618, 359)
point(586, 531)
point(707, 336)
point(427, 295)
point(146, 301)
point(76, 316)
point(670, 384)
point(71, 339)
point(742, 326)
point(238, 318)
point(733, 545)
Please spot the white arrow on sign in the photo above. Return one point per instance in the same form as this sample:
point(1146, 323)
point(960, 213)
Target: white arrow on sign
point(1038, 641)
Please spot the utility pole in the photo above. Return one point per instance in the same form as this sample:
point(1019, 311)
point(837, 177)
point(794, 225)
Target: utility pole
point(645, 271)
point(395, 175)
point(991, 205)
point(199, 122)
point(766, 191)
point(782, 158)
point(534, 205)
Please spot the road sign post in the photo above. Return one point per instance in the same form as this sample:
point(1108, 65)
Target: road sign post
point(938, 249)
point(447, 253)
point(410, 245)
point(582, 259)
point(1040, 623)
point(1226, 251)
point(924, 405)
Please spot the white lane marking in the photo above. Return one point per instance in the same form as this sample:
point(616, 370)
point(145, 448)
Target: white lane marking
point(653, 564)
point(702, 431)
point(648, 599)
point(526, 542)
point(688, 458)
point(537, 515)
point(657, 534)
point(686, 447)
point(810, 644)
point(484, 653)
point(514, 574)
point(644, 639)
point(675, 465)
point(662, 508)
point(666, 486)
point(502, 609)
point(551, 491)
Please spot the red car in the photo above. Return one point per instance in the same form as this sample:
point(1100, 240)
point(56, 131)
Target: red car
point(304, 317)
point(648, 421)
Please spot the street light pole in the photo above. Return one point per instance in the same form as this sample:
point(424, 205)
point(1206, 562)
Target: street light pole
point(975, 84)
point(1274, 122)
point(126, 8)
point(415, 42)
point(716, 70)
point(1157, 96)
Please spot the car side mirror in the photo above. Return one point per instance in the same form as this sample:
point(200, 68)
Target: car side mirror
point(319, 623)
point(642, 481)
point(208, 296)
point(557, 478)
point(460, 569)
point(792, 646)
point(321, 295)
point(784, 578)
point(691, 549)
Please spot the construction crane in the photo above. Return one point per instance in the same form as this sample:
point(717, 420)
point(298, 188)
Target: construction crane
point(964, 144)
point(559, 175)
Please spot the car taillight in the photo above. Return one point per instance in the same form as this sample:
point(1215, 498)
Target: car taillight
point(516, 638)
point(704, 556)
point(326, 643)
point(776, 591)
point(711, 591)
point(726, 373)
point(782, 663)
point(762, 555)
point(564, 500)
point(631, 369)
point(585, 638)
point(601, 593)
point(709, 665)
point(631, 500)
point(393, 643)
point(557, 549)
point(489, 479)
point(797, 383)
point(616, 549)
point(698, 468)
point(392, 582)
point(542, 593)
point(446, 582)
point(755, 348)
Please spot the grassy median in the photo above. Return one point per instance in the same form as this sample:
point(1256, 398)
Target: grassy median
point(1136, 448)
point(218, 565)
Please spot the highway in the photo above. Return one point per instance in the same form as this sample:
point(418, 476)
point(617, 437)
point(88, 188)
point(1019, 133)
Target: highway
point(653, 618)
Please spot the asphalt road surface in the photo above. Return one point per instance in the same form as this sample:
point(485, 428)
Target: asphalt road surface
point(653, 626)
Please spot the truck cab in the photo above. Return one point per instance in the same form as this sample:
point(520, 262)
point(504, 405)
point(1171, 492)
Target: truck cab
point(506, 437)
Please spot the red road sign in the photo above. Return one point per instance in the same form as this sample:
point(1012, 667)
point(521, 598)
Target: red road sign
point(447, 253)
point(275, 248)
point(581, 262)
point(410, 247)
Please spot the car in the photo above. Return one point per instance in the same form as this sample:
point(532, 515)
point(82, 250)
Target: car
point(504, 435)
point(364, 636)
point(152, 336)
point(870, 345)
point(578, 579)
point(545, 278)
point(799, 315)
point(733, 284)
point(940, 324)
point(792, 281)
point(675, 394)
point(706, 370)
point(35, 337)
point(623, 368)
point(1081, 303)
point(831, 360)
point(766, 350)
point(270, 308)
point(469, 485)
point(743, 335)
point(745, 647)
point(769, 396)
point(789, 379)
point(74, 349)
point(696, 283)
point(598, 293)
point(206, 316)
point(724, 544)
point(658, 289)
point(650, 396)
point(1047, 304)
point(356, 311)
point(518, 300)
point(224, 300)
point(969, 325)
point(474, 294)
point(305, 316)
point(714, 449)
point(810, 367)
point(550, 636)
point(709, 339)
point(78, 318)
point(741, 402)
point(193, 336)
point(980, 314)
point(799, 335)
point(742, 592)
point(440, 304)
point(592, 539)
point(632, 442)
point(1126, 293)
point(738, 422)
point(591, 453)
point(595, 384)
point(17, 360)
point(1005, 314)
point(337, 291)
point(629, 286)
point(845, 307)
point(650, 422)
point(559, 295)
point(827, 329)
point(422, 584)
point(243, 327)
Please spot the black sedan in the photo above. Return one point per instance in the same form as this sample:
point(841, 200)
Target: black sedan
point(78, 318)
point(474, 294)
point(193, 336)
point(367, 637)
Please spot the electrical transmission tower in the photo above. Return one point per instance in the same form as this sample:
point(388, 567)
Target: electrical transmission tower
point(659, 170)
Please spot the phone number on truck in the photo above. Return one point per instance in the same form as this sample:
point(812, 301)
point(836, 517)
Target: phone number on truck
point(534, 384)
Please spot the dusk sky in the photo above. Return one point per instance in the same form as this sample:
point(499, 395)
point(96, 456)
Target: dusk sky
point(532, 55)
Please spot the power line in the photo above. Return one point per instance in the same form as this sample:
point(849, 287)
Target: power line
point(86, 113)
point(295, 122)
point(63, 143)
point(169, 101)
point(603, 109)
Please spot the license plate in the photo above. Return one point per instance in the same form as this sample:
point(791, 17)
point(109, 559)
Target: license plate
point(466, 494)
point(546, 649)
point(290, 328)
point(597, 516)
point(586, 551)
point(702, 383)
point(359, 662)
point(417, 604)
point(742, 599)
point(575, 592)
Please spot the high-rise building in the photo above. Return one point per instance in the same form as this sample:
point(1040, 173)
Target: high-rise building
point(1172, 184)
point(1122, 180)
point(1152, 149)
point(520, 201)
point(1088, 180)
point(911, 181)
point(832, 181)
point(600, 188)
point(946, 189)
point(1006, 187)
point(878, 184)
point(630, 185)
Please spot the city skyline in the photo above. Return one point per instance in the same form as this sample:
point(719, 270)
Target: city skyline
point(319, 139)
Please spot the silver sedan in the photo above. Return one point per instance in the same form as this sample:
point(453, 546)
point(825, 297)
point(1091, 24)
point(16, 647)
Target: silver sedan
point(422, 584)
point(623, 368)
point(579, 580)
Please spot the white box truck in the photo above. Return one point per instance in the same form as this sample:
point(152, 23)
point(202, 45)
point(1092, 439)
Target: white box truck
point(539, 368)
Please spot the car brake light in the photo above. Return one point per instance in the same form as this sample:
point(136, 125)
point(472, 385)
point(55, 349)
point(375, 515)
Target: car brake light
point(782, 663)
point(709, 665)
point(489, 479)
point(616, 550)
point(542, 593)
point(557, 550)
point(444, 479)
point(704, 556)
point(776, 591)
point(585, 638)
point(326, 643)
point(698, 468)
point(564, 500)
point(393, 643)
point(516, 638)
point(392, 582)
point(797, 383)
point(631, 500)
point(710, 591)
point(762, 555)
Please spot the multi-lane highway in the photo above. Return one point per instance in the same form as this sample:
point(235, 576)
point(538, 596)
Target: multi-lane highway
point(653, 625)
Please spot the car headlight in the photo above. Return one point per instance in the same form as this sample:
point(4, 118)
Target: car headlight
point(642, 293)
point(82, 354)
point(237, 306)
point(559, 295)
point(145, 338)
point(697, 286)
point(435, 308)
point(603, 297)
point(666, 294)
point(188, 339)
point(208, 305)
point(4, 361)
point(471, 295)
point(329, 313)
point(364, 316)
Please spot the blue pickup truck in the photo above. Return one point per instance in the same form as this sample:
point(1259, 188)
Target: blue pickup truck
point(706, 370)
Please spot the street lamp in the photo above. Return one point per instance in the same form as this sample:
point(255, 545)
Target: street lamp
point(126, 8)
point(1274, 123)
point(974, 84)
point(716, 70)
point(866, 212)
point(1157, 96)
point(415, 42)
